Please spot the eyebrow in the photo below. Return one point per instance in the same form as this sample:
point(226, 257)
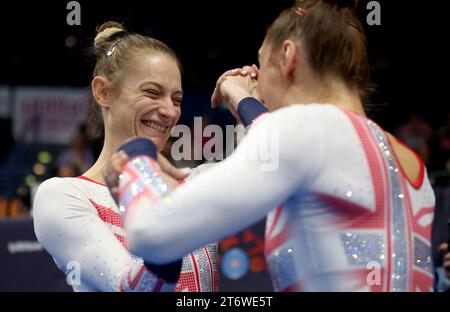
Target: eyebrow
point(161, 87)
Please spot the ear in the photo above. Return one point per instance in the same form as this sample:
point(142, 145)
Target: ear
point(290, 58)
point(100, 90)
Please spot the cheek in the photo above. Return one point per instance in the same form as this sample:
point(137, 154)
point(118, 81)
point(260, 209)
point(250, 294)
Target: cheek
point(118, 113)
point(125, 113)
point(178, 114)
point(262, 84)
point(143, 105)
point(270, 79)
point(124, 105)
point(267, 89)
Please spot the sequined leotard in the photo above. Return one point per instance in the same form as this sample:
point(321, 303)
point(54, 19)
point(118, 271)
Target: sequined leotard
point(78, 223)
point(347, 217)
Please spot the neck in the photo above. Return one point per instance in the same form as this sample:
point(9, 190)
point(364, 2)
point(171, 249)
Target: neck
point(333, 91)
point(96, 171)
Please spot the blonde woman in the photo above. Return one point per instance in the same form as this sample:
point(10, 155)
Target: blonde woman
point(137, 90)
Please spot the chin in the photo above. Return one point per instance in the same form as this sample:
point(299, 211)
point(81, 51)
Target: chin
point(159, 138)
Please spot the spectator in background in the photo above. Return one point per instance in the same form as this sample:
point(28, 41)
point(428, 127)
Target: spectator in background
point(443, 269)
point(93, 140)
point(440, 150)
point(417, 133)
point(78, 154)
point(441, 154)
point(444, 145)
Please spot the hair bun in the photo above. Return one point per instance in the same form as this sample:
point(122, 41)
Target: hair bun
point(105, 30)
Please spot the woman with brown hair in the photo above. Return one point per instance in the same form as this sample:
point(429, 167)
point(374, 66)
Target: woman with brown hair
point(349, 206)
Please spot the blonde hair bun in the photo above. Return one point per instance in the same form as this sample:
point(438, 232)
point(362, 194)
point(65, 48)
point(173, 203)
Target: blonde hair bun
point(105, 30)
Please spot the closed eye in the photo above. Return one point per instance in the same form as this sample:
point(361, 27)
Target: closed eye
point(152, 93)
point(177, 101)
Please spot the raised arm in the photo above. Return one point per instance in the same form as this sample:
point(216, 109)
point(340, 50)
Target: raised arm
point(232, 195)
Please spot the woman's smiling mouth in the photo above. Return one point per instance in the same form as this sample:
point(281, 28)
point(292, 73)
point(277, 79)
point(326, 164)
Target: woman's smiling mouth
point(154, 125)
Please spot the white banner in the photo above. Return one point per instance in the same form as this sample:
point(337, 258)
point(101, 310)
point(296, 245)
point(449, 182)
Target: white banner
point(49, 115)
point(4, 102)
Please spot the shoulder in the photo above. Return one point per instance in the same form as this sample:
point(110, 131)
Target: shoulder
point(58, 195)
point(307, 123)
point(56, 186)
point(309, 109)
point(292, 138)
point(304, 116)
point(54, 182)
point(312, 123)
point(59, 203)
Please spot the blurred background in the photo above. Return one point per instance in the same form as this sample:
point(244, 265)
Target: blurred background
point(45, 72)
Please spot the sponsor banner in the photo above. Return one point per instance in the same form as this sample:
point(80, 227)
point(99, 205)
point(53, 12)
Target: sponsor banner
point(49, 115)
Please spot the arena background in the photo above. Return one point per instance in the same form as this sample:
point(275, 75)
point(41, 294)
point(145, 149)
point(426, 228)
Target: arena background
point(45, 72)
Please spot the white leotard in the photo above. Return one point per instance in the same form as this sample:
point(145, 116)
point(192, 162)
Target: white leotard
point(79, 224)
point(342, 215)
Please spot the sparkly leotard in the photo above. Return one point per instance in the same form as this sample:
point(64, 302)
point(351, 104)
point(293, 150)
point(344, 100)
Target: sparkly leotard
point(79, 224)
point(342, 215)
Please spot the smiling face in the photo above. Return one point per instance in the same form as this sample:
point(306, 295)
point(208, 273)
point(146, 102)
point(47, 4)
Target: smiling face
point(148, 101)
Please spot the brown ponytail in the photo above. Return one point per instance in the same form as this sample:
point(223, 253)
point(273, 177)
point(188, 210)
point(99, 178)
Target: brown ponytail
point(333, 36)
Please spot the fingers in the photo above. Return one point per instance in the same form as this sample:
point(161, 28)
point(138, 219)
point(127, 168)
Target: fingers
point(216, 98)
point(114, 168)
point(170, 169)
point(246, 70)
point(118, 161)
point(162, 159)
point(255, 69)
point(112, 172)
point(114, 190)
point(252, 71)
point(225, 75)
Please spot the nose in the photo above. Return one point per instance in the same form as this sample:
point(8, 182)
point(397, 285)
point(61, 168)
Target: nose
point(168, 112)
